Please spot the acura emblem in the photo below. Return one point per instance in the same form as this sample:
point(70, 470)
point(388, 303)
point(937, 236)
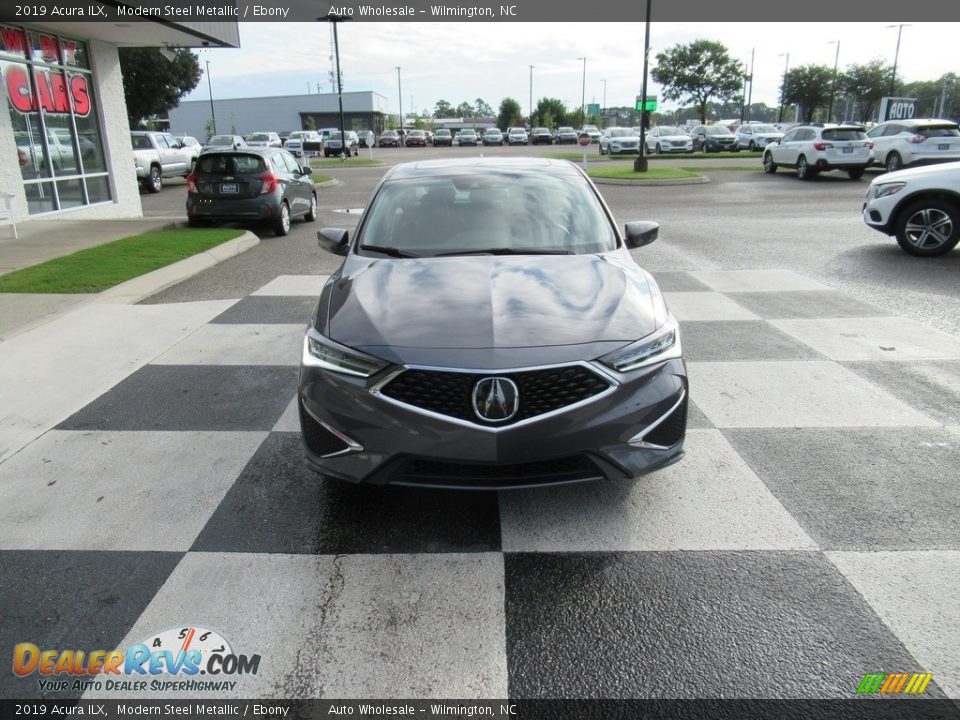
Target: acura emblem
point(495, 399)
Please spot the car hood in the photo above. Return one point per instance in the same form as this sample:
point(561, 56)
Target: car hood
point(947, 173)
point(482, 302)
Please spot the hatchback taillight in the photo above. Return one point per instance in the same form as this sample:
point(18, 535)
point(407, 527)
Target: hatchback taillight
point(269, 183)
point(192, 184)
point(917, 139)
point(822, 145)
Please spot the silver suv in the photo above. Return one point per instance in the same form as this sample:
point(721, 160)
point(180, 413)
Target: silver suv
point(812, 149)
point(903, 143)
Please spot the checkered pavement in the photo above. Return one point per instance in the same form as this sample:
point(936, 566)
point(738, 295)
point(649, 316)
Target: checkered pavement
point(810, 535)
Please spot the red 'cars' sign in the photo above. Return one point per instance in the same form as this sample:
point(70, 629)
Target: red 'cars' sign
point(57, 91)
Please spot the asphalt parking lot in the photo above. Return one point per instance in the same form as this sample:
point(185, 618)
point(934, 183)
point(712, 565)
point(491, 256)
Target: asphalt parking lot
point(810, 536)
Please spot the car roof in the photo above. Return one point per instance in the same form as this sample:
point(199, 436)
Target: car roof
point(920, 121)
point(248, 150)
point(467, 166)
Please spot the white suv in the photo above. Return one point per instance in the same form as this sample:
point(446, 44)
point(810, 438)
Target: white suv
point(901, 143)
point(920, 206)
point(818, 148)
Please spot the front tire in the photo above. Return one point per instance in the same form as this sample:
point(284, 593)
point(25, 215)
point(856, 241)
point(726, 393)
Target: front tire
point(894, 162)
point(154, 183)
point(769, 166)
point(281, 224)
point(928, 228)
point(753, 146)
point(658, 149)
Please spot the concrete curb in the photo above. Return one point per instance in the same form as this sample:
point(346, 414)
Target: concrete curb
point(699, 180)
point(136, 289)
point(327, 183)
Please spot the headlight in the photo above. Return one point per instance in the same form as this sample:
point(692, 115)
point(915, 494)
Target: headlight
point(884, 189)
point(322, 352)
point(661, 344)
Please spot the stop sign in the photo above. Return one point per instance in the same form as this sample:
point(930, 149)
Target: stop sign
point(584, 139)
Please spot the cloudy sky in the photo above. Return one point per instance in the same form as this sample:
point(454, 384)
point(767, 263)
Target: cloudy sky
point(464, 61)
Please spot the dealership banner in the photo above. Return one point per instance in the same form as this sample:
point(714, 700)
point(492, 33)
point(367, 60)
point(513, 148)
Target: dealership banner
point(179, 11)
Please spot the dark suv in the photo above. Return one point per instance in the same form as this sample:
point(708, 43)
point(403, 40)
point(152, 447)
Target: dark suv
point(254, 184)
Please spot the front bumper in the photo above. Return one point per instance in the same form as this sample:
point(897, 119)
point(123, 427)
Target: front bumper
point(353, 432)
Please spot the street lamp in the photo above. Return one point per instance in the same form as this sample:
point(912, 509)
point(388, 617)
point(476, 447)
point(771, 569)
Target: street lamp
point(583, 94)
point(750, 94)
point(400, 104)
point(783, 90)
point(213, 116)
point(833, 84)
point(334, 19)
point(603, 110)
point(531, 96)
point(640, 164)
point(896, 55)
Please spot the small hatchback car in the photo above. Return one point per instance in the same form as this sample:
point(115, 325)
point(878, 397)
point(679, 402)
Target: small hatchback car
point(254, 184)
point(489, 328)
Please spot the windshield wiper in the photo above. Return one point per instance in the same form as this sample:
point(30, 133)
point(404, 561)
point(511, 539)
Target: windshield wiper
point(391, 251)
point(507, 251)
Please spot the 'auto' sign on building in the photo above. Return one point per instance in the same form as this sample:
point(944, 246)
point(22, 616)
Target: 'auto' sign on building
point(894, 108)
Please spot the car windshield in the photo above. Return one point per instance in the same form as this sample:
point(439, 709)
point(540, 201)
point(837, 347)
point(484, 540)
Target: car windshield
point(667, 130)
point(259, 136)
point(592, 128)
point(764, 129)
point(230, 164)
point(937, 131)
point(620, 132)
point(467, 132)
point(416, 133)
point(716, 130)
point(565, 130)
point(492, 132)
point(443, 133)
point(389, 133)
point(221, 140)
point(540, 131)
point(501, 213)
point(844, 134)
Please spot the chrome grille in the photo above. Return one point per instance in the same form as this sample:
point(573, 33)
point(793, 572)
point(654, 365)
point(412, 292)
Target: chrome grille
point(541, 391)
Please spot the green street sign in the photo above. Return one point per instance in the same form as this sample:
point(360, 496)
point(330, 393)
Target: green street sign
point(651, 103)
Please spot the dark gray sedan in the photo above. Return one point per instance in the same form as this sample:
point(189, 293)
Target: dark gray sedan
point(488, 328)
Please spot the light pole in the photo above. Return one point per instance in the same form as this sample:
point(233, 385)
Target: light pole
point(400, 103)
point(603, 109)
point(896, 55)
point(750, 94)
point(583, 94)
point(833, 83)
point(213, 115)
point(783, 90)
point(640, 164)
point(334, 19)
point(531, 96)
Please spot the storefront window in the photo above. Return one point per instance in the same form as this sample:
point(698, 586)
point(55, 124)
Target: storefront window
point(49, 91)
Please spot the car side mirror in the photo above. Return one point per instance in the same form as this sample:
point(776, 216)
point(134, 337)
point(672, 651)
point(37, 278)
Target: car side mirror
point(334, 240)
point(641, 232)
point(306, 170)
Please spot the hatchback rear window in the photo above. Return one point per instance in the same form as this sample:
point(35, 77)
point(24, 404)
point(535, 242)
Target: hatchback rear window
point(216, 164)
point(936, 131)
point(844, 134)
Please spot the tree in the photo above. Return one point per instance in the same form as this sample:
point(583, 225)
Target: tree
point(866, 84)
point(509, 114)
point(697, 72)
point(550, 112)
point(465, 110)
point(809, 87)
point(152, 85)
point(443, 109)
point(483, 110)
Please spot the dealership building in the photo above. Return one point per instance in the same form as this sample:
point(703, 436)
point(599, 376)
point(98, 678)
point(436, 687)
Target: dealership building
point(65, 138)
point(361, 111)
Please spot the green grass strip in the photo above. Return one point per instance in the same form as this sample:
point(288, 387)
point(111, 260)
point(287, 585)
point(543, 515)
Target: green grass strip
point(337, 162)
point(101, 267)
point(625, 172)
